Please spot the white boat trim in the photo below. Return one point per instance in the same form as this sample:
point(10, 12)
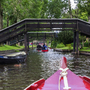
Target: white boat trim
point(17, 53)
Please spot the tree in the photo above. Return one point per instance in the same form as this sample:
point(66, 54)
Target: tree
point(1, 15)
point(84, 6)
point(65, 37)
point(70, 11)
point(23, 9)
point(56, 8)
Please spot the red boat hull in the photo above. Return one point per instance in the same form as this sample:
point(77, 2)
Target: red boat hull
point(45, 50)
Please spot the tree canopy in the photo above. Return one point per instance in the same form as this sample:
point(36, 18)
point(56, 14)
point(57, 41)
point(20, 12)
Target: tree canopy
point(17, 10)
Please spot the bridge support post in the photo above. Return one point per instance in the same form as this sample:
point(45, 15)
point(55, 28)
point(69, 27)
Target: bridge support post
point(74, 41)
point(26, 43)
point(77, 42)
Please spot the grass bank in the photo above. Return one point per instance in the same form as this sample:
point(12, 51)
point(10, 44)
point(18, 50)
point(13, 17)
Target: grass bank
point(70, 47)
point(7, 47)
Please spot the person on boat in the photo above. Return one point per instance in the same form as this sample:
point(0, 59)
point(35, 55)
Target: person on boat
point(39, 47)
point(44, 47)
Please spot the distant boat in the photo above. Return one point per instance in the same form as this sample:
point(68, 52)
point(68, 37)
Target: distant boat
point(45, 50)
point(14, 58)
point(39, 47)
point(63, 79)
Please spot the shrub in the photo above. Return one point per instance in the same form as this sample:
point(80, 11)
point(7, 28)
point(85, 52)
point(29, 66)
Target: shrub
point(69, 46)
point(53, 44)
point(65, 37)
point(60, 45)
point(86, 44)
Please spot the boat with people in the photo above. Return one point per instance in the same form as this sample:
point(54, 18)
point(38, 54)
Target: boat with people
point(62, 79)
point(14, 58)
point(43, 47)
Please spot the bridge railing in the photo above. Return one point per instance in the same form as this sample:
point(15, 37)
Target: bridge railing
point(27, 25)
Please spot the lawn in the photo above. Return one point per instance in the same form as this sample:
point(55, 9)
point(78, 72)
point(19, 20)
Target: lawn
point(7, 47)
point(66, 48)
point(87, 49)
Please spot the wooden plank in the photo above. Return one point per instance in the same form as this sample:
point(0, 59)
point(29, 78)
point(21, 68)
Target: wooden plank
point(12, 27)
point(3, 39)
point(51, 25)
point(12, 32)
point(83, 28)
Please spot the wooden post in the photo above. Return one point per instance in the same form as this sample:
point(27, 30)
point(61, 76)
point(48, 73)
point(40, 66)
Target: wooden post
point(25, 42)
point(28, 42)
point(74, 41)
point(77, 42)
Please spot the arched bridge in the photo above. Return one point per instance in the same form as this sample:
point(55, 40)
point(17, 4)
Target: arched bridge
point(30, 25)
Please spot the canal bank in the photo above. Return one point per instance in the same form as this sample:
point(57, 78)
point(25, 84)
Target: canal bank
point(67, 50)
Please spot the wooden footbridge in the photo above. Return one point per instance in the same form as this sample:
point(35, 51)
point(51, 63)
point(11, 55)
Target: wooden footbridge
point(21, 29)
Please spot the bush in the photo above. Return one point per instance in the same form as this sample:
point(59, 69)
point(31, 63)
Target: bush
point(65, 37)
point(86, 44)
point(53, 44)
point(72, 44)
point(60, 45)
point(69, 46)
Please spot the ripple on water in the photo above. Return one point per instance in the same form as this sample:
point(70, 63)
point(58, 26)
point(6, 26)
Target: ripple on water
point(40, 65)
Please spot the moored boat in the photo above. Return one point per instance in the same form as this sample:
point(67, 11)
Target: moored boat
point(62, 79)
point(14, 58)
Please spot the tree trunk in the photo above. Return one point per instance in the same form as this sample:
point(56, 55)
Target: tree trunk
point(7, 21)
point(1, 18)
point(89, 19)
point(70, 11)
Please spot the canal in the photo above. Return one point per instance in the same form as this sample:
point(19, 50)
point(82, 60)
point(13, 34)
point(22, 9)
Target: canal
point(40, 65)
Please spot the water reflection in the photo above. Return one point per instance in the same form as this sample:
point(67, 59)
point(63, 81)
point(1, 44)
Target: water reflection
point(40, 65)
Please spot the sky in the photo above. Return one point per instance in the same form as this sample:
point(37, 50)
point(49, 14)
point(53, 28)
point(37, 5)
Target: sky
point(72, 4)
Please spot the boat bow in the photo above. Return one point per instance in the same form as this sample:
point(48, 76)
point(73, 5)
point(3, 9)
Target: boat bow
point(62, 79)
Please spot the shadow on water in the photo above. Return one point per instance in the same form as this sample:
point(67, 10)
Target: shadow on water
point(40, 65)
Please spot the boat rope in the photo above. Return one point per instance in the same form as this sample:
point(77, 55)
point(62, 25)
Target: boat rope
point(59, 82)
point(64, 75)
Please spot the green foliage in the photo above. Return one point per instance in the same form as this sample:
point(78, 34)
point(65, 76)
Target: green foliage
point(86, 44)
point(72, 44)
point(60, 45)
point(82, 38)
point(14, 11)
point(55, 8)
point(17, 51)
point(7, 47)
point(53, 44)
point(84, 8)
point(69, 46)
point(47, 41)
point(65, 37)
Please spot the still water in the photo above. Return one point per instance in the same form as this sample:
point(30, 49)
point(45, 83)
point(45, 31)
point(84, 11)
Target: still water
point(40, 65)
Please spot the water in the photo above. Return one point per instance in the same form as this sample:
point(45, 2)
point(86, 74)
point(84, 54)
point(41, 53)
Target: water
point(40, 65)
